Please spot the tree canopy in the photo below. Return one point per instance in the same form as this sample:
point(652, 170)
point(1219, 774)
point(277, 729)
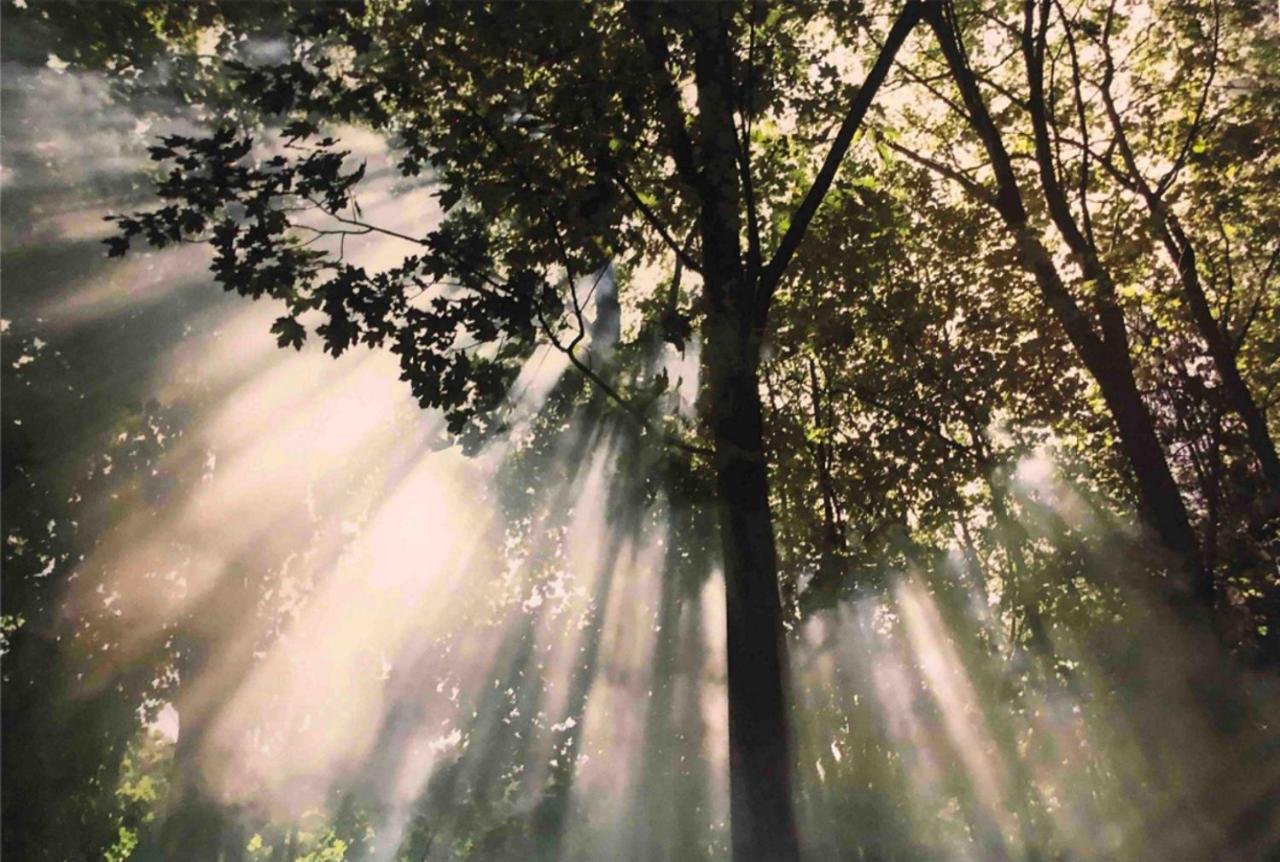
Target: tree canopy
point(963, 313)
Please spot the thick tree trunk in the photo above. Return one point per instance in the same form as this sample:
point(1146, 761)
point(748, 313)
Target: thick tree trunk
point(761, 812)
point(736, 293)
point(763, 821)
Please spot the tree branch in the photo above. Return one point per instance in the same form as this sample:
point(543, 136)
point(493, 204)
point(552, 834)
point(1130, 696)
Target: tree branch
point(651, 217)
point(969, 184)
point(613, 395)
point(803, 215)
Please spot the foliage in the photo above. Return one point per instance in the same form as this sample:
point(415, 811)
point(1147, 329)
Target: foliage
point(928, 418)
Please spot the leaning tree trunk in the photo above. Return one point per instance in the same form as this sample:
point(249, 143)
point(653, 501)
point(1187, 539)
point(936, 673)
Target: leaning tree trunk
point(1104, 354)
point(1167, 229)
point(1223, 353)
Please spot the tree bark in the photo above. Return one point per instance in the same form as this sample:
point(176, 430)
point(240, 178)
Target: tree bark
point(763, 821)
point(736, 299)
point(762, 815)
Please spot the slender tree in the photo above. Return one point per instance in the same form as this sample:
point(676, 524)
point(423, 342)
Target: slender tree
point(1103, 346)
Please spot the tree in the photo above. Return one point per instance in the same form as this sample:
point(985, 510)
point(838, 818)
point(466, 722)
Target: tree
point(860, 334)
point(1046, 102)
point(546, 176)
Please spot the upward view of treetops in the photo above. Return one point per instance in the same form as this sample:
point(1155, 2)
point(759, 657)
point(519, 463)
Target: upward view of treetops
point(636, 431)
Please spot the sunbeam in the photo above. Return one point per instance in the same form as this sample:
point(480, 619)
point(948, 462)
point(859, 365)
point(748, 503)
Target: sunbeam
point(648, 443)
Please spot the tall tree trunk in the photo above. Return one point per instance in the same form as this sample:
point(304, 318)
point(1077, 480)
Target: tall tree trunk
point(1114, 371)
point(736, 298)
point(1106, 356)
point(761, 809)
